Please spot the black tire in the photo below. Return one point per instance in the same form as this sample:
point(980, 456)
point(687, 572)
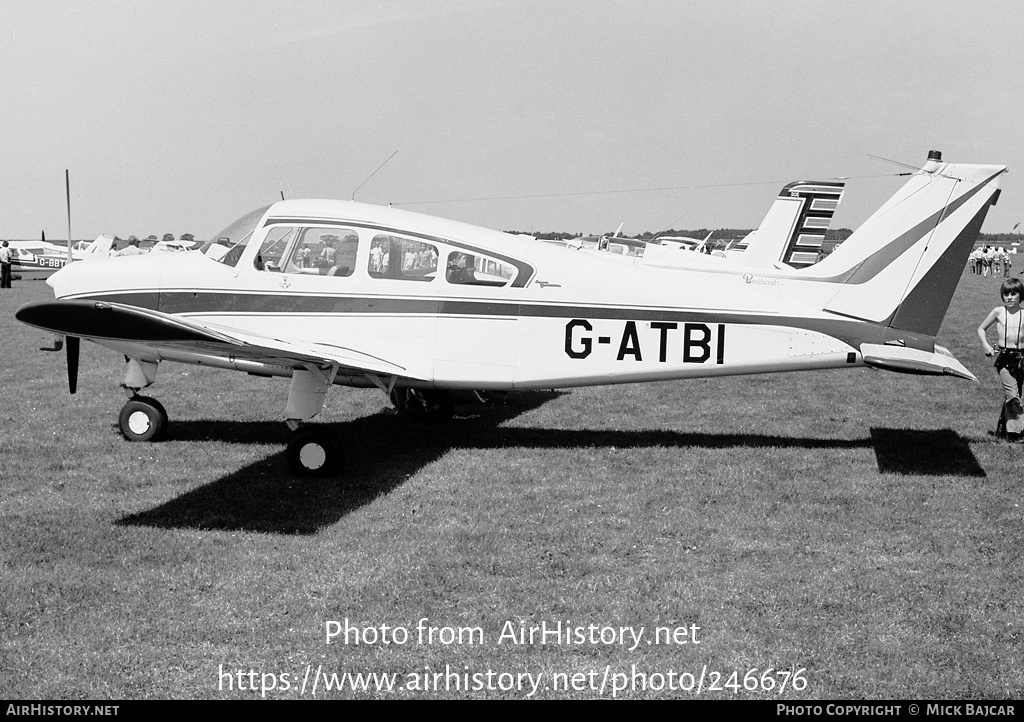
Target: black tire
point(143, 419)
point(314, 452)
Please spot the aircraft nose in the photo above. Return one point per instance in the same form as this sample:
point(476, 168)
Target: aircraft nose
point(107, 275)
point(64, 281)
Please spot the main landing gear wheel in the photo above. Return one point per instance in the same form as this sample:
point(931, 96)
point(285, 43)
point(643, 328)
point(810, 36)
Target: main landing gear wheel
point(143, 419)
point(314, 452)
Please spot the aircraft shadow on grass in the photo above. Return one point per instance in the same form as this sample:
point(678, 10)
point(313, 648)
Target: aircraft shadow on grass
point(266, 497)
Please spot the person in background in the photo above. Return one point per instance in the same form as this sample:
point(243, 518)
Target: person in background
point(6, 259)
point(132, 249)
point(1009, 354)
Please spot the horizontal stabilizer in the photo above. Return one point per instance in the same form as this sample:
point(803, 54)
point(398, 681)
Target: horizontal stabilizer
point(914, 361)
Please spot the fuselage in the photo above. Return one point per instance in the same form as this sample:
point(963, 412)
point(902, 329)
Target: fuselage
point(37, 256)
point(459, 306)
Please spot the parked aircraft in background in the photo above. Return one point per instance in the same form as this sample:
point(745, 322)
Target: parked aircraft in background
point(682, 243)
point(340, 293)
point(99, 248)
point(48, 257)
point(790, 236)
point(172, 246)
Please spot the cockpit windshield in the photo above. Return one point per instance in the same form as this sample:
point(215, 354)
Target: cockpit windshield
point(226, 247)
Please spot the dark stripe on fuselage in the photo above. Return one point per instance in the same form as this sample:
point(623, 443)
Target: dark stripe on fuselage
point(204, 303)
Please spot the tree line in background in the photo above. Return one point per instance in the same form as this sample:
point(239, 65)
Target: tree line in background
point(151, 239)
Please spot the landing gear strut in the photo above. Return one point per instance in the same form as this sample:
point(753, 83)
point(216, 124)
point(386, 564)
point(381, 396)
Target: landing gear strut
point(143, 419)
point(433, 405)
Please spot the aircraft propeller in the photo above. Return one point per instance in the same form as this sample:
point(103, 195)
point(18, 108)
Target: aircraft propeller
point(72, 345)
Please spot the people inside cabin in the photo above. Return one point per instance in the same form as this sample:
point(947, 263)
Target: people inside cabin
point(1009, 355)
point(328, 253)
point(376, 257)
point(345, 255)
point(303, 257)
point(459, 269)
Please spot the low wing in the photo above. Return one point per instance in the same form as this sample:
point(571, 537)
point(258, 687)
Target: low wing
point(117, 322)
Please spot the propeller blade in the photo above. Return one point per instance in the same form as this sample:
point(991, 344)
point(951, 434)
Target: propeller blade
point(67, 188)
point(72, 344)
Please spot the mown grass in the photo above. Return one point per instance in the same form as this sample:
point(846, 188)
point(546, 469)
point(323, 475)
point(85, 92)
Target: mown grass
point(860, 525)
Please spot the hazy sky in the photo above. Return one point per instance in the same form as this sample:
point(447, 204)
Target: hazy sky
point(178, 116)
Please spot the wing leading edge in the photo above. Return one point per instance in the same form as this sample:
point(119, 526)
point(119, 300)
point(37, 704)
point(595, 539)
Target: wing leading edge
point(102, 321)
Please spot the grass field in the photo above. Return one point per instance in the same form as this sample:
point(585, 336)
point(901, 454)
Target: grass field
point(854, 534)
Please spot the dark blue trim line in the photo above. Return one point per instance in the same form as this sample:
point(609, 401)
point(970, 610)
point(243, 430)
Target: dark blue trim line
point(195, 303)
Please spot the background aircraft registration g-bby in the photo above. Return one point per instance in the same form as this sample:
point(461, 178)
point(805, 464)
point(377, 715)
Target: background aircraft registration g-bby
point(334, 292)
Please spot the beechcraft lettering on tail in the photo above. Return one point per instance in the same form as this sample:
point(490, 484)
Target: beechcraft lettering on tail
point(337, 293)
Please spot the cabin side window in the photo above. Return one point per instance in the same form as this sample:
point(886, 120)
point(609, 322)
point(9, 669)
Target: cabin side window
point(313, 251)
point(224, 251)
point(271, 254)
point(476, 270)
point(402, 258)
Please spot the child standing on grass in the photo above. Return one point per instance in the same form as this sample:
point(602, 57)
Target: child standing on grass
point(1008, 320)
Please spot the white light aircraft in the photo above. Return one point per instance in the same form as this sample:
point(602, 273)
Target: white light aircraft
point(340, 293)
point(789, 237)
point(44, 256)
point(682, 243)
point(172, 246)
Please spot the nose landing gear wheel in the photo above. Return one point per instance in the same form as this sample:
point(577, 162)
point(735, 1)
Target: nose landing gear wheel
point(143, 419)
point(314, 452)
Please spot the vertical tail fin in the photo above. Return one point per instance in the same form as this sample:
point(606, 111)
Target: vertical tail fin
point(901, 267)
point(793, 230)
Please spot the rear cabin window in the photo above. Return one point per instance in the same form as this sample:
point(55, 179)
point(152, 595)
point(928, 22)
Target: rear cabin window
point(476, 270)
point(402, 258)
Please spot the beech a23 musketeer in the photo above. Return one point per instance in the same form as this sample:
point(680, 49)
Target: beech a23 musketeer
point(336, 292)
